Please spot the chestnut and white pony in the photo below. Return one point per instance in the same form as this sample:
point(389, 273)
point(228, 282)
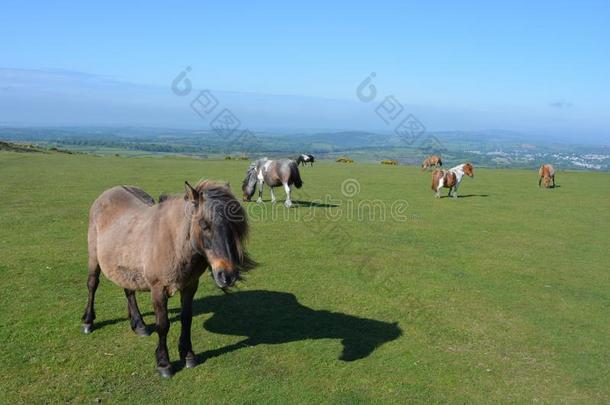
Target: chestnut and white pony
point(546, 174)
point(274, 173)
point(450, 179)
point(430, 161)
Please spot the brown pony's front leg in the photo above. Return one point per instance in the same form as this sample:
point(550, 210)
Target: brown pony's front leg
point(135, 317)
point(185, 347)
point(159, 300)
point(539, 181)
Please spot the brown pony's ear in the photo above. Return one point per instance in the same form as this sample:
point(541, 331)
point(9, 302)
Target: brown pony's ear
point(191, 194)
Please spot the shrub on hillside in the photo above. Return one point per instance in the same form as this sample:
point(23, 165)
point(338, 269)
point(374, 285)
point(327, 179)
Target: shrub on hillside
point(344, 159)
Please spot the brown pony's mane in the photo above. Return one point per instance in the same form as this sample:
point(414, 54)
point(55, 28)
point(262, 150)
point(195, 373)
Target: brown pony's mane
point(140, 195)
point(221, 205)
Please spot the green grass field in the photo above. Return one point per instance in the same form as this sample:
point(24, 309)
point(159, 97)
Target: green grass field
point(500, 296)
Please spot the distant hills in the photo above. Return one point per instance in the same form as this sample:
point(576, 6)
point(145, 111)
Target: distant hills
point(494, 148)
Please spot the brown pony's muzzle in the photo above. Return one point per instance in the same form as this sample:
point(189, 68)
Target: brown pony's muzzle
point(224, 274)
point(224, 279)
point(246, 198)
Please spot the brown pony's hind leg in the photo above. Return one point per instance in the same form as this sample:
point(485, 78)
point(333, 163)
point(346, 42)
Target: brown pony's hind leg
point(185, 347)
point(159, 301)
point(135, 317)
point(92, 282)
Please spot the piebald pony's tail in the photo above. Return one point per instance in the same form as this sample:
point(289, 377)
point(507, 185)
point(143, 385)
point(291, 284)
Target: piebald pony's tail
point(436, 176)
point(295, 176)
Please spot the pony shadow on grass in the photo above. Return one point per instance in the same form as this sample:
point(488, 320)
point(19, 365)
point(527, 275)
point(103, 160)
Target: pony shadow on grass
point(307, 204)
point(312, 204)
point(271, 317)
point(467, 196)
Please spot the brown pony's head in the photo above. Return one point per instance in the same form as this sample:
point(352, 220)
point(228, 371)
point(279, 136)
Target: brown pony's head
point(547, 181)
point(218, 230)
point(468, 170)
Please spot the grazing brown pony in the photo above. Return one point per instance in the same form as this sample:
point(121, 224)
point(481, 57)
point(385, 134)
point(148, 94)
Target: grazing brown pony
point(450, 179)
point(164, 248)
point(546, 173)
point(431, 161)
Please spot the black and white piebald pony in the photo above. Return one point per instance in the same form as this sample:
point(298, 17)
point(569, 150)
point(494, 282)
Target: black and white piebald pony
point(274, 173)
point(304, 159)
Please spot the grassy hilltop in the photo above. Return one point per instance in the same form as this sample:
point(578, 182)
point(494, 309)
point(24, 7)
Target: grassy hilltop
point(503, 295)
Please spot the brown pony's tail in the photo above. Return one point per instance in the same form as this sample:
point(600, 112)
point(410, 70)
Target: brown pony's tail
point(295, 175)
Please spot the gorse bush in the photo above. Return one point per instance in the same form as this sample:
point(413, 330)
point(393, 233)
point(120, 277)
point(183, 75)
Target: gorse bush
point(344, 159)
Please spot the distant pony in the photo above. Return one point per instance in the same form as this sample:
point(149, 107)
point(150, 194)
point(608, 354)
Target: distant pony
point(546, 173)
point(281, 172)
point(450, 179)
point(431, 161)
point(304, 159)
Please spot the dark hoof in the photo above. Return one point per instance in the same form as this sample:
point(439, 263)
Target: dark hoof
point(190, 362)
point(141, 331)
point(87, 328)
point(165, 372)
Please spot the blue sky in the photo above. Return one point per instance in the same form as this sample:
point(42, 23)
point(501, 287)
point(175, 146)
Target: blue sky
point(541, 66)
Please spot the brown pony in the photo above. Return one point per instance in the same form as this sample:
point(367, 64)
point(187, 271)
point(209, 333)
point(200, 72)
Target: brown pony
point(164, 248)
point(431, 161)
point(546, 173)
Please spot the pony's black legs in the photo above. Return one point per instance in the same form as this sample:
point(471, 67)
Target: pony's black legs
point(159, 300)
point(92, 282)
point(553, 181)
point(539, 181)
point(135, 317)
point(185, 347)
